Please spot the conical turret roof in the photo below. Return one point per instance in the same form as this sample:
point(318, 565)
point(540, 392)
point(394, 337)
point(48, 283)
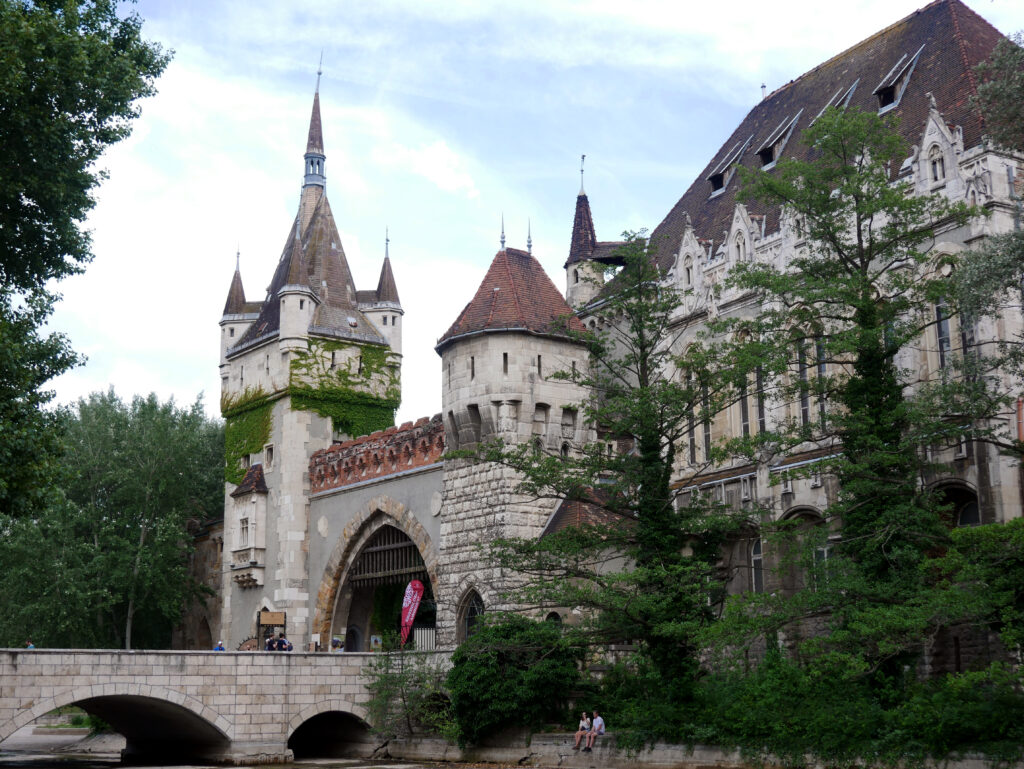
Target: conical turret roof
point(515, 295)
point(387, 291)
point(315, 141)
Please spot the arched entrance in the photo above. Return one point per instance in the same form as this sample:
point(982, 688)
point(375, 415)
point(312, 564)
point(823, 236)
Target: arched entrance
point(332, 734)
point(369, 603)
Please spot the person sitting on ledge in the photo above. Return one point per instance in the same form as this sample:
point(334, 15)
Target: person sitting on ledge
point(596, 730)
point(583, 729)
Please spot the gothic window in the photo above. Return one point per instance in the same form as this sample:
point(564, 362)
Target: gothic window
point(575, 276)
point(469, 615)
point(756, 567)
point(805, 395)
point(741, 248)
point(243, 533)
point(819, 353)
point(942, 332)
point(936, 163)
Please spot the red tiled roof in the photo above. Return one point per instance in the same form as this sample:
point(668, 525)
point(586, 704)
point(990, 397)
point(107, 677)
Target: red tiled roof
point(515, 295)
point(955, 39)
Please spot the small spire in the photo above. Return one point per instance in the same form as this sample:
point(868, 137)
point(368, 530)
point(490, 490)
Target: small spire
point(582, 158)
point(238, 256)
point(387, 240)
point(529, 237)
point(319, 70)
point(503, 231)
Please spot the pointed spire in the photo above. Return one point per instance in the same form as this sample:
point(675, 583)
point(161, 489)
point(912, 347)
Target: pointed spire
point(387, 290)
point(529, 237)
point(584, 237)
point(582, 191)
point(319, 71)
point(315, 159)
point(235, 304)
point(502, 231)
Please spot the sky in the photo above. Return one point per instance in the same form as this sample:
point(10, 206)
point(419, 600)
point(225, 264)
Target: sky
point(439, 119)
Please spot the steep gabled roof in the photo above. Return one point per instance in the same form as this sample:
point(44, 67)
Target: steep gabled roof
point(951, 39)
point(515, 295)
point(253, 482)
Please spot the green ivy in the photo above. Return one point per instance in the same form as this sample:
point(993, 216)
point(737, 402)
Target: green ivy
point(359, 393)
point(246, 429)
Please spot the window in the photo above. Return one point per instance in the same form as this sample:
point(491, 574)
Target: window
point(942, 332)
point(266, 364)
point(243, 533)
point(231, 331)
point(472, 367)
point(968, 339)
point(805, 396)
point(540, 419)
point(540, 371)
point(936, 163)
point(724, 171)
point(744, 413)
point(691, 421)
point(385, 320)
point(575, 276)
point(554, 617)
point(302, 304)
point(822, 566)
point(394, 320)
point(568, 423)
point(840, 99)
point(890, 90)
point(819, 351)
point(504, 363)
point(759, 381)
point(469, 616)
point(969, 515)
point(771, 150)
point(268, 457)
point(565, 451)
point(756, 567)
point(706, 406)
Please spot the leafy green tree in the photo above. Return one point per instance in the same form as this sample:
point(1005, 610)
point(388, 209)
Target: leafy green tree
point(511, 672)
point(644, 569)
point(861, 294)
point(108, 567)
point(1001, 92)
point(70, 76)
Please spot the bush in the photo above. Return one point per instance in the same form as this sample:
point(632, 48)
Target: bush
point(512, 672)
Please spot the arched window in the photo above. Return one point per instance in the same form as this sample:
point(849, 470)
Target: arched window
point(756, 566)
point(575, 276)
point(741, 248)
point(936, 163)
point(688, 270)
point(469, 615)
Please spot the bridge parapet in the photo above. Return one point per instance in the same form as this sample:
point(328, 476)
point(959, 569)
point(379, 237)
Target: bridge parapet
point(229, 707)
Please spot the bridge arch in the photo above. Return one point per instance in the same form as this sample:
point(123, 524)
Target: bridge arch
point(378, 512)
point(148, 716)
point(331, 729)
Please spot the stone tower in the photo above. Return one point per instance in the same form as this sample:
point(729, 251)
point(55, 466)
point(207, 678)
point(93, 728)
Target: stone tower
point(302, 368)
point(497, 360)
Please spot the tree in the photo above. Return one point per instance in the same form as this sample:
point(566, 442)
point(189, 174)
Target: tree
point(111, 569)
point(70, 76)
point(511, 672)
point(1001, 92)
point(860, 298)
point(643, 569)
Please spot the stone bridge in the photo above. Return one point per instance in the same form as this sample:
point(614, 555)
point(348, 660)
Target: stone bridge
point(220, 707)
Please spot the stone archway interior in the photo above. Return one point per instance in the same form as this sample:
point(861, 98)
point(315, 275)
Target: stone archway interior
point(370, 601)
point(332, 734)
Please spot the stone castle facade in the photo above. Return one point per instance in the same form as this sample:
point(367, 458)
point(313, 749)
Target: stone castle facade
point(330, 510)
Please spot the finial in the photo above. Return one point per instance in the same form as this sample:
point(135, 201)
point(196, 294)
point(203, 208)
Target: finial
point(503, 231)
point(387, 240)
point(529, 238)
point(319, 70)
point(238, 256)
point(582, 158)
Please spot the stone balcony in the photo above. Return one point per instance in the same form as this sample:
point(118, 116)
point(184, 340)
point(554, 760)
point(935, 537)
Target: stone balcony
point(248, 566)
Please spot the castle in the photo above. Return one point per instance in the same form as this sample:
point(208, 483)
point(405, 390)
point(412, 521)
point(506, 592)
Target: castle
point(330, 510)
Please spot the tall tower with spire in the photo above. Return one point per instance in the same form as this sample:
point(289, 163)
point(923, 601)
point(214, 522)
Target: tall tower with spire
point(314, 362)
point(588, 257)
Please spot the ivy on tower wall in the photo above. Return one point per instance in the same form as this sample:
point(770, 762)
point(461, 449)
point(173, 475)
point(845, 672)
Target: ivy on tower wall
point(246, 428)
point(355, 385)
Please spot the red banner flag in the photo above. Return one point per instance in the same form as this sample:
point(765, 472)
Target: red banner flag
point(411, 602)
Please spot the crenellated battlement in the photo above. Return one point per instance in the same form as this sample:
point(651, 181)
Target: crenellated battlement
point(383, 453)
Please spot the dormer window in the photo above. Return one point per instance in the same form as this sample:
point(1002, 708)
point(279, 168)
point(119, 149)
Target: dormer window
point(724, 171)
point(771, 150)
point(936, 163)
point(840, 99)
point(890, 90)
